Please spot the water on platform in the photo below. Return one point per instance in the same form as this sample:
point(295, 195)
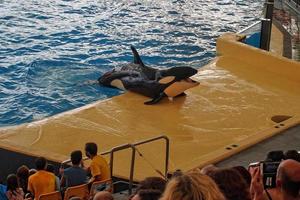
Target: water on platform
point(51, 49)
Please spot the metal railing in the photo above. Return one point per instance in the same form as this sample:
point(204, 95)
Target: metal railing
point(297, 2)
point(294, 4)
point(269, 7)
point(265, 35)
point(264, 27)
point(133, 152)
point(251, 29)
point(133, 147)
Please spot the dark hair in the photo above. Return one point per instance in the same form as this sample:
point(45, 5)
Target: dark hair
point(292, 154)
point(91, 148)
point(76, 157)
point(149, 194)
point(12, 182)
point(22, 175)
point(292, 188)
point(174, 174)
point(152, 183)
point(50, 168)
point(275, 156)
point(231, 183)
point(40, 163)
point(244, 173)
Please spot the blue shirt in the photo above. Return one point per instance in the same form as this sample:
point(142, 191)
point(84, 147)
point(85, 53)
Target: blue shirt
point(3, 192)
point(75, 176)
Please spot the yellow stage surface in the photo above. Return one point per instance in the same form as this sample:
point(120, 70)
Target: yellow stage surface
point(239, 92)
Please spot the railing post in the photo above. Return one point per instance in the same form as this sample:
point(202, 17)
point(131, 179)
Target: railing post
point(131, 170)
point(111, 163)
point(265, 35)
point(269, 10)
point(167, 155)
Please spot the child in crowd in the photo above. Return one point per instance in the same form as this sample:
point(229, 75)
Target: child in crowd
point(14, 192)
point(98, 168)
point(23, 175)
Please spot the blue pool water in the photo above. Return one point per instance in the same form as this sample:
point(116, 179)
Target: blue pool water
point(50, 48)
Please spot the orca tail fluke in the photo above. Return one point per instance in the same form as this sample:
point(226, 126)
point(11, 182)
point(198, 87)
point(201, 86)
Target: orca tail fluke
point(136, 57)
point(156, 99)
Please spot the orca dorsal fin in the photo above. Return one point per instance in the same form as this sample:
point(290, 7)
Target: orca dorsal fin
point(136, 57)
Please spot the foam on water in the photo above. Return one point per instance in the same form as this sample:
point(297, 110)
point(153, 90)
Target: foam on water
point(49, 49)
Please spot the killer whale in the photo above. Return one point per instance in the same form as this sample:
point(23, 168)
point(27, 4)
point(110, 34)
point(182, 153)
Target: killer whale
point(148, 81)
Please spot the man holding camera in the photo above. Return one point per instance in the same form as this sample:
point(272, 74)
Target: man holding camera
point(287, 183)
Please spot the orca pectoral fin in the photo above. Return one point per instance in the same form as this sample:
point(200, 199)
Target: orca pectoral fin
point(155, 100)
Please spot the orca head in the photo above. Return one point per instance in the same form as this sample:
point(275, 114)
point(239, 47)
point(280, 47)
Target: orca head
point(113, 79)
point(178, 72)
point(177, 80)
point(106, 79)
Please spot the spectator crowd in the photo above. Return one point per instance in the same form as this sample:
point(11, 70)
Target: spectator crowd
point(30, 184)
point(206, 183)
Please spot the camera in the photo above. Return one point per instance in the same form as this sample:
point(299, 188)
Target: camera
point(268, 171)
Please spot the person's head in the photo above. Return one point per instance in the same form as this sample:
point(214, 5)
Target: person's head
point(12, 182)
point(32, 171)
point(192, 186)
point(148, 194)
point(288, 178)
point(76, 157)
point(75, 198)
point(154, 183)
point(177, 172)
point(275, 156)
point(91, 149)
point(23, 172)
point(231, 183)
point(22, 175)
point(292, 154)
point(244, 173)
point(103, 195)
point(41, 163)
point(207, 169)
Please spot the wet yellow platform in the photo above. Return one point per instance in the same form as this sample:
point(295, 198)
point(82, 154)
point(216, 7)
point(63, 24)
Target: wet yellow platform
point(239, 93)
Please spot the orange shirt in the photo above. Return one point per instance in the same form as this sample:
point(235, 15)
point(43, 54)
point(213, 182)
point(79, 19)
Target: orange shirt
point(100, 167)
point(41, 182)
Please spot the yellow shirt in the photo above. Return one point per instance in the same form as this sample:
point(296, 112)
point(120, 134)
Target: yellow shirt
point(100, 167)
point(41, 182)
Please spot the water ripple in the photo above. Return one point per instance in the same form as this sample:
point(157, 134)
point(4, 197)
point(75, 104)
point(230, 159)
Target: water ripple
point(49, 49)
